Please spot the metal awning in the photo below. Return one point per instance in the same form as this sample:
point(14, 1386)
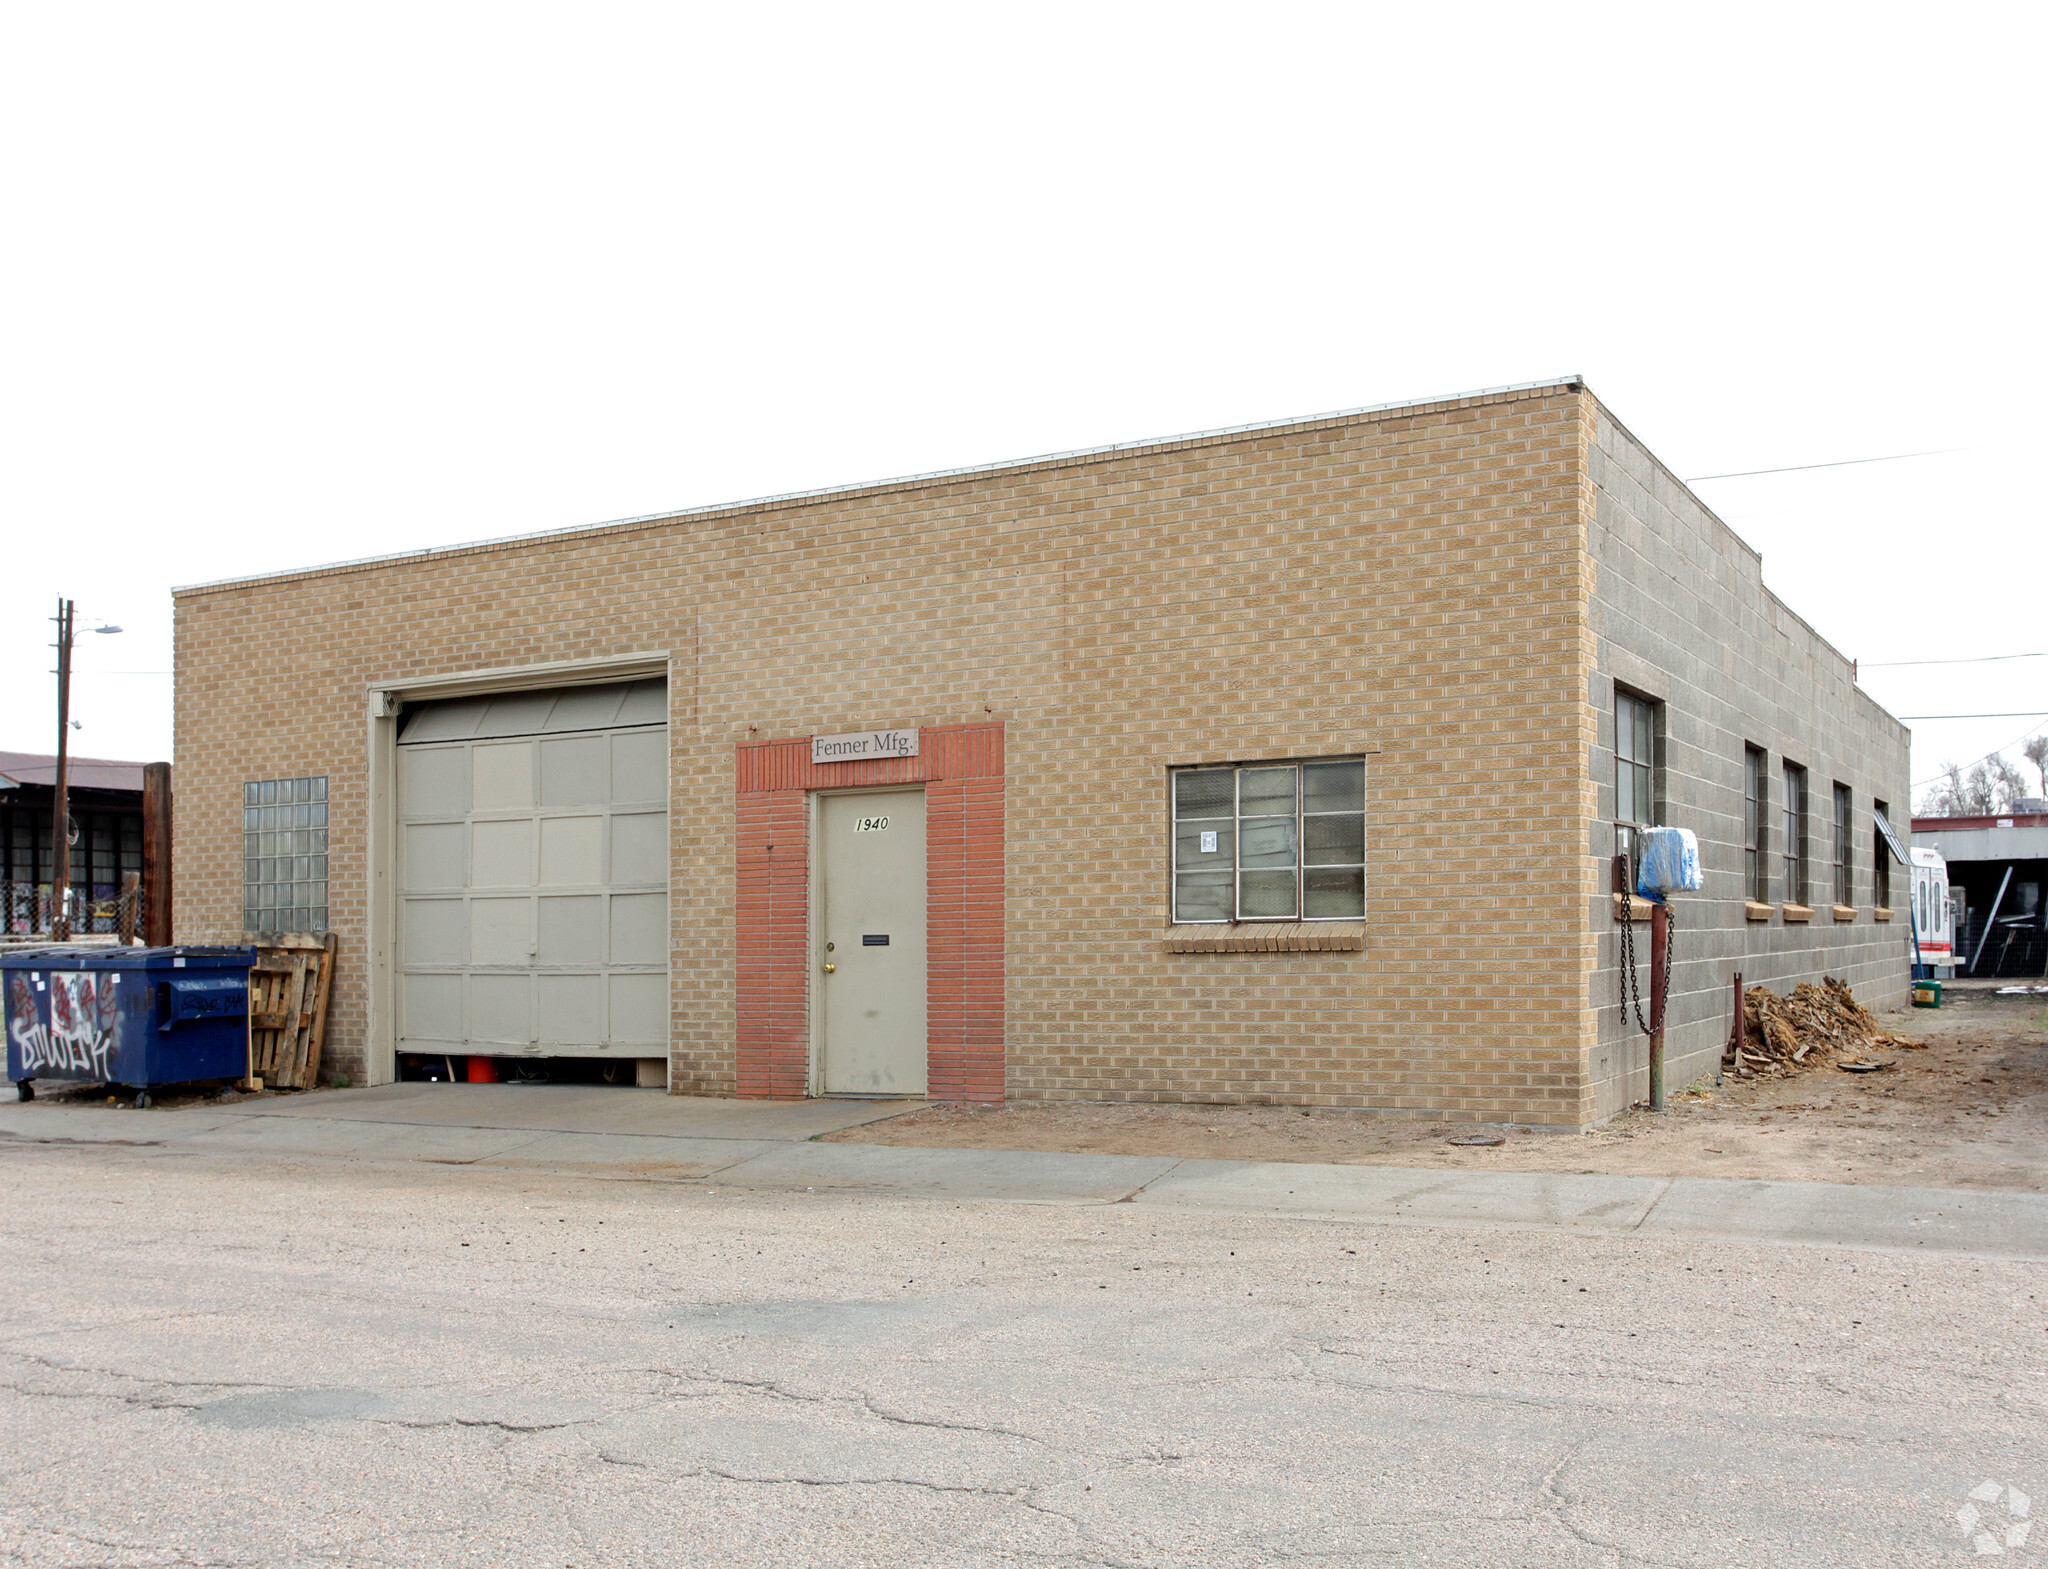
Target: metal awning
point(1884, 829)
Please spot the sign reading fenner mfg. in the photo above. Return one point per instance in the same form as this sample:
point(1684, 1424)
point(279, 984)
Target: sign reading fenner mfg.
point(858, 748)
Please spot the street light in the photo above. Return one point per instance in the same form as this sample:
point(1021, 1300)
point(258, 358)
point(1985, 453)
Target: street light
point(60, 814)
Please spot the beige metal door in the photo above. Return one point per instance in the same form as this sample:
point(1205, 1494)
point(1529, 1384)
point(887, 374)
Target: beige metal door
point(533, 874)
point(871, 970)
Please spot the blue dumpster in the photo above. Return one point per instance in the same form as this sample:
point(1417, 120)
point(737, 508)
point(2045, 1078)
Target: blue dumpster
point(135, 1016)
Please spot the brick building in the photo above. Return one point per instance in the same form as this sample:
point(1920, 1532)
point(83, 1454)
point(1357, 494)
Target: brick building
point(1276, 763)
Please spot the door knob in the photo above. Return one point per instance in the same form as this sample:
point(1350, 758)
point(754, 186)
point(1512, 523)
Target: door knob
point(831, 969)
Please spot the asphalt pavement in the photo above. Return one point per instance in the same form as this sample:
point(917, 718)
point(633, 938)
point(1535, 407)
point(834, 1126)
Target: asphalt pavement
point(439, 1328)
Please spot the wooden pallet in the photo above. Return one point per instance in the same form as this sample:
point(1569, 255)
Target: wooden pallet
point(288, 991)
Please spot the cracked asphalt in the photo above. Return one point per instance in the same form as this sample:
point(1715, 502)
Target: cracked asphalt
point(208, 1360)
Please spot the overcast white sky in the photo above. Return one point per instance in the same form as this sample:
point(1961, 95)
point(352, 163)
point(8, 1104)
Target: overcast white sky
point(288, 284)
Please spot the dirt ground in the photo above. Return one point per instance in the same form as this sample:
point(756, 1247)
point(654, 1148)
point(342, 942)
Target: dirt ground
point(1970, 1111)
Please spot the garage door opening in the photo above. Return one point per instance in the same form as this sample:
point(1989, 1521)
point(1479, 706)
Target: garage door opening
point(533, 884)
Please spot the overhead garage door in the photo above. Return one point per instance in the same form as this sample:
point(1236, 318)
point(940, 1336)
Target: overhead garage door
point(533, 873)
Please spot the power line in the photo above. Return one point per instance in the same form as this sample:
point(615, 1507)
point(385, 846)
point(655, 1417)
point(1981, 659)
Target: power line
point(2024, 713)
point(1994, 752)
point(1799, 468)
point(1900, 664)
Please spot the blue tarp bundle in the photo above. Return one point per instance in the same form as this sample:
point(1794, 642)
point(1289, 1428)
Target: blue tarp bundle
point(1670, 862)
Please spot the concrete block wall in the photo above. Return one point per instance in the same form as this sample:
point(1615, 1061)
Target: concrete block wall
point(1680, 613)
point(1409, 585)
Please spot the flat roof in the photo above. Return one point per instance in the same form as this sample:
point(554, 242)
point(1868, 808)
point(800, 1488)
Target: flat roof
point(430, 551)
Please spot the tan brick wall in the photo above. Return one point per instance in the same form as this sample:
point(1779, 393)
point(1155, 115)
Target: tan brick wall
point(1409, 584)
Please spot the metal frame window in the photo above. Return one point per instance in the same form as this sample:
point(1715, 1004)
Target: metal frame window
point(1795, 834)
point(1881, 864)
point(1269, 842)
point(284, 855)
point(1756, 868)
point(1845, 843)
point(1635, 767)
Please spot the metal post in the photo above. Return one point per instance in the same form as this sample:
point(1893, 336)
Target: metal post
point(156, 855)
point(1740, 1033)
point(60, 813)
point(1984, 936)
point(1660, 942)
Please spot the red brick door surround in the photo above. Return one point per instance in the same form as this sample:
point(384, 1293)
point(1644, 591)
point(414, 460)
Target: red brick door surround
point(961, 768)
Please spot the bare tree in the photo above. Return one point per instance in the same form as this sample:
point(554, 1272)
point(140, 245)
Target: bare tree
point(1991, 786)
point(2036, 752)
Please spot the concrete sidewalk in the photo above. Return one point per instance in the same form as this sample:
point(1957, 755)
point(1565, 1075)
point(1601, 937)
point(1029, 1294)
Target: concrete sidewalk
point(648, 1136)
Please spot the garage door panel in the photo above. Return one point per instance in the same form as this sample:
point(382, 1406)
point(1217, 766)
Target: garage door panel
point(430, 1008)
point(516, 713)
point(639, 924)
point(585, 708)
point(571, 929)
point(501, 931)
point(455, 721)
point(433, 856)
point(501, 1009)
point(434, 781)
point(501, 854)
point(501, 776)
point(573, 772)
point(570, 1009)
point(639, 848)
point(436, 932)
point(639, 1010)
point(533, 873)
point(571, 851)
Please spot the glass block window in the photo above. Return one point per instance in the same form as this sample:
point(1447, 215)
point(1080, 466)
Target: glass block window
point(284, 855)
point(1269, 842)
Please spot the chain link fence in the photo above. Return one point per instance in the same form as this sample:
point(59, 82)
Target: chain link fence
point(25, 910)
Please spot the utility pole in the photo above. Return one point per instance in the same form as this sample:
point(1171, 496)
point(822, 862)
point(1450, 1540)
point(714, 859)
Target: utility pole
point(60, 815)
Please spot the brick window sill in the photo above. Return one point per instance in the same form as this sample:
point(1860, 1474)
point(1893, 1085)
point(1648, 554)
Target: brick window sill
point(1798, 912)
point(1289, 939)
point(1845, 912)
point(1881, 913)
point(1755, 910)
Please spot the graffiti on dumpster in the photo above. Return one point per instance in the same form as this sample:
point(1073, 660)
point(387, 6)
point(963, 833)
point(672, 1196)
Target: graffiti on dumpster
point(80, 1031)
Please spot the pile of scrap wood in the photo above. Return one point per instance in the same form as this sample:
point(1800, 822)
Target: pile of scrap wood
point(1815, 1025)
point(288, 1008)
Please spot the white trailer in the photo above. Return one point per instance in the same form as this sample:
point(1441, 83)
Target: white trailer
point(1934, 923)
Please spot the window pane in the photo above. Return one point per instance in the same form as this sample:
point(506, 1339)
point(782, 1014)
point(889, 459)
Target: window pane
point(1200, 846)
point(1265, 894)
point(1333, 787)
point(1624, 793)
point(1265, 792)
point(1333, 893)
point(1645, 746)
point(1268, 841)
point(1336, 840)
point(1202, 896)
point(1203, 792)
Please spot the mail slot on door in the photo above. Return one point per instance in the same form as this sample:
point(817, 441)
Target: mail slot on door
point(874, 939)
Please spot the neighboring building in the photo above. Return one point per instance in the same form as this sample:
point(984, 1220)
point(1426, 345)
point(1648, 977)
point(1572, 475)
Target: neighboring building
point(105, 804)
point(1273, 764)
point(1997, 868)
